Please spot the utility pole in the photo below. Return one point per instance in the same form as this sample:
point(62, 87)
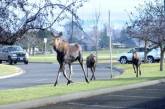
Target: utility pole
point(71, 38)
point(110, 41)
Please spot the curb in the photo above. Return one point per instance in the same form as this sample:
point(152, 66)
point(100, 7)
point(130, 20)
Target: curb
point(41, 62)
point(20, 72)
point(74, 96)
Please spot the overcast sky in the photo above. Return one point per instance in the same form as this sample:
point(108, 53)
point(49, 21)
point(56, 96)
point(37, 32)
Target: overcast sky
point(118, 9)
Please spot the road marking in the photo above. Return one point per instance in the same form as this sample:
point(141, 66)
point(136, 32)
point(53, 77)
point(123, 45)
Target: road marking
point(99, 106)
point(133, 96)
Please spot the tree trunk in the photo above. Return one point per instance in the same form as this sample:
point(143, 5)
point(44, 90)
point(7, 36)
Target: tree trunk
point(33, 49)
point(161, 58)
point(145, 52)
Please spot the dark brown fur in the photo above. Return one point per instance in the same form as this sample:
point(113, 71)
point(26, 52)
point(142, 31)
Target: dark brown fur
point(136, 62)
point(91, 63)
point(66, 54)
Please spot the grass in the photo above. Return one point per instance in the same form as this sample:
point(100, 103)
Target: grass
point(7, 70)
point(43, 58)
point(150, 72)
point(102, 55)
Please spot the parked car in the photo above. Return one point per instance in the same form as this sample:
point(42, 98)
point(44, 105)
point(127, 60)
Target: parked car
point(152, 56)
point(13, 54)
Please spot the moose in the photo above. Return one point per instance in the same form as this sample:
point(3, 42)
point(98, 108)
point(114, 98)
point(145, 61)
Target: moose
point(136, 62)
point(67, 54)
point(91, 63)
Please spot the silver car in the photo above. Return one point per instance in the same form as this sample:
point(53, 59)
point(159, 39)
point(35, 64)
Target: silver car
point(152, 56)
point(13, 54)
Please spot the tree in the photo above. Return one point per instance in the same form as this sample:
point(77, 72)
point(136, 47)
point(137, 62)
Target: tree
point(19, 16)
point(30, 41)
point(75, 34)
point(104, 39)
point(149, 26)
point(125, 39)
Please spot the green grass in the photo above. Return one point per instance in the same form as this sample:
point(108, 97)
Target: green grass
point(43, 58)
point(102, 56)
point(7, 70)
point(149, 72)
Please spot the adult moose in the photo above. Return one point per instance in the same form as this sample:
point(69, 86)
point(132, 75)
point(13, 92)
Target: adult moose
point(136, 62)
point(67, 54)
point(91, 63)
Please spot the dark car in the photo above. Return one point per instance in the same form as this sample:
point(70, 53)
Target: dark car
point(13, 54)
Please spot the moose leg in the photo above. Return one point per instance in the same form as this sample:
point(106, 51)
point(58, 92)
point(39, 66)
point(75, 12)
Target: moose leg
point(58, 75)
point(64, 73)
point(87, 72)
point(137, 71)
point(70, 71)
point(94, 73)
point(93, 76)
point(81, 63)
point(134, 67)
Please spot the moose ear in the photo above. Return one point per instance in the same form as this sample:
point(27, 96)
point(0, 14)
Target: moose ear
point(60, 34)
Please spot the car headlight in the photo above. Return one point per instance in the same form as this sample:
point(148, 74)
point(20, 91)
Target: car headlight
point(13, 55)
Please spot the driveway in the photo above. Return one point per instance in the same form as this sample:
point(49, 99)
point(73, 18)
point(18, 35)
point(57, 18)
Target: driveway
point(44, 73)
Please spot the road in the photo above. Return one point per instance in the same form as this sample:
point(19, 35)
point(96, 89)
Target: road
point(151, 97)
point(38, 74)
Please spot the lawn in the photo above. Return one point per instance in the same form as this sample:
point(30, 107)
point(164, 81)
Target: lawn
point(7, 70)
point(103, 56)
point(149, 72)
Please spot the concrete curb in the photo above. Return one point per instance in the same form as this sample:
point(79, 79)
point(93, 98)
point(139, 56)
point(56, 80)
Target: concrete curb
point(74, 96)
point(20, 72)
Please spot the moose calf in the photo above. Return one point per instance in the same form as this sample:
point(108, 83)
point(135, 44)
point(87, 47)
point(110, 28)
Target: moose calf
point(91, 63)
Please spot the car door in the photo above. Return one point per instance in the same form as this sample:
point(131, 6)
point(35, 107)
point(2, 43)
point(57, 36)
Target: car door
point(5, 54)
point(129, 55)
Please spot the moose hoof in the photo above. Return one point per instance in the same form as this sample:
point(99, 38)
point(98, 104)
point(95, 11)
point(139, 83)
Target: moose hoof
point(69, 82)
point(55, 83)
point(87, 80)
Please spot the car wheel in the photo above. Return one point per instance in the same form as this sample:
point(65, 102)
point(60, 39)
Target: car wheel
point(10, 61)
point(0, 61)
point(15, 62)
point(26, 62)
point(123, 60)
point(150, 59)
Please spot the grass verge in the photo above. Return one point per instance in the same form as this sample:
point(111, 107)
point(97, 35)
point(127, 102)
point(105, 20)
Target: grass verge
point(103, 56)
point(7, 70)
point(149, 72)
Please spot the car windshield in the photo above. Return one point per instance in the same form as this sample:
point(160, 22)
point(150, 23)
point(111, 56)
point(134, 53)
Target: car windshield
point(15, 48)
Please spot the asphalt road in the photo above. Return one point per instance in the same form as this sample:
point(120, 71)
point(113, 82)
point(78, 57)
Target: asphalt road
point(38, 74)
point(151, 97)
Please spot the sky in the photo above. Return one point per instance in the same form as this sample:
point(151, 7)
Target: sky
point(119, 10)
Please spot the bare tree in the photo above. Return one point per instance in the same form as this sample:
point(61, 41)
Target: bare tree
point(19, 16)
point(149, 26)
